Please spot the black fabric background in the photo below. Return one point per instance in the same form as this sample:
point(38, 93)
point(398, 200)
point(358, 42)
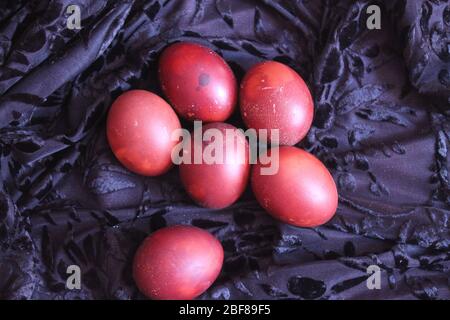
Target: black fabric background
point(381, 126)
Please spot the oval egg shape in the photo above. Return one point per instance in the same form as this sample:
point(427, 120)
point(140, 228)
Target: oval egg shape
point(139, 128)
point(177, 263)
point(198, 83)
point(302, 192)
point(217, 184)
point(274, 96)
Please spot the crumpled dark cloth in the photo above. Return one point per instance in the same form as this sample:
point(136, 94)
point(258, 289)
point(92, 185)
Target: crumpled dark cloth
point(381, 126)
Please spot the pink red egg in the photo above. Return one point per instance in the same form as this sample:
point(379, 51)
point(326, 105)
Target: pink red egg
point(302, 192)
point(198, 82)
point(217, 185)
point(274, 96)
point(139, 129)
point(177, 263)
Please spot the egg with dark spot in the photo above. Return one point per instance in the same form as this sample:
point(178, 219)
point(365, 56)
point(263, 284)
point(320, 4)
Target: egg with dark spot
point(198, 83)
point(274, 96)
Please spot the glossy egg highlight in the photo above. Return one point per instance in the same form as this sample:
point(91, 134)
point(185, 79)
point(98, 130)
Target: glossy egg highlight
point(302, 192)
point(274, 96)
point(139, 130)
point(198, 83)
point(177, 263)
point(217, 185)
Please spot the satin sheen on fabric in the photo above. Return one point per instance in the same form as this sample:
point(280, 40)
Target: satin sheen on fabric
point(381, 126)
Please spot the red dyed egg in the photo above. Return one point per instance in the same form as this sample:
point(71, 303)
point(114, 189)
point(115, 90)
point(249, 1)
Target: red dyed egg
point(302, 192)
point(273, 96)
point(198, 82)
point(221, 181)
point(139, 129)
point(177, 263)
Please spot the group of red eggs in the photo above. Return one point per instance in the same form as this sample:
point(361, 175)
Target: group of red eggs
point(181, 262)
